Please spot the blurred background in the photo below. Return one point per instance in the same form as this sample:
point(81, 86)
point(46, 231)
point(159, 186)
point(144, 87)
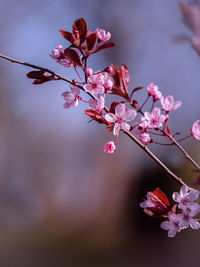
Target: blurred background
point(63, 201)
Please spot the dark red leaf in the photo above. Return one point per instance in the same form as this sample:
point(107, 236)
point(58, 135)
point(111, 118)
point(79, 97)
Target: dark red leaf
point(124, 78)
point(118, 88)
point(72, 56)
point(68, 35)
point(79, 30)
point(95, 116)
point(91, 40)
point(112, 107)
point(104, 46)
point(161, 197)
point(40, 76)
point(35, 74)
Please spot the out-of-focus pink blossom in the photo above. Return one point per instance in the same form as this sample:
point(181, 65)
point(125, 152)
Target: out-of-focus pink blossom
point(145, 138)
point(122, 114)
point(168, 103)
point(95, 83)
point(97, 105)
point(72, 97)
point(155, 119)
point(109, 147)
point(186, 198)
point(174, 225)
point(102, 35)
point(196, 129)
point(153, 91)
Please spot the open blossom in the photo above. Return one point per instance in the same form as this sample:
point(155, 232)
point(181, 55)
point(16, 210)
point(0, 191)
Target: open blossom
point(95, 83)
point(122, 114)
point(174, 225)
point(103, 35)
point(169, 104)
point(72, 97)
point(145, 138)
point(153, 91)
point(58, 55)
point(109, 147)
point(97, 105)
point(155, 119)
point(196, 129)
point(186, 198)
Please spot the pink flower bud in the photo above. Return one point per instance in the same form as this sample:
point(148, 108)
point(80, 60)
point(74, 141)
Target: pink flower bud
point(145, 138)
point(89, 72)
point(108, 84)
point(109, 147)
point(109, 69)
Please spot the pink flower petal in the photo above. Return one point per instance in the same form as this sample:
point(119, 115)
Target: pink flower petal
point(125, 126)
point(120, 110)
point(110, 117)
point(130, 115)
point(116, 129)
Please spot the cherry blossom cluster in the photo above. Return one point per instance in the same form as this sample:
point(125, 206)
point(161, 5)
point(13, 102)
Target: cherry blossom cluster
point(180, 216)
point(144, 126)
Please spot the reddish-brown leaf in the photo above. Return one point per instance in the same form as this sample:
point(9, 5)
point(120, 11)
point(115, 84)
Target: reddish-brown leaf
point(112, 107)
point(95, 115)
point(79, 29)
point(104, 46)
point(72, 56)
point(36, 74)
point(68, 35)
point(124, 78)
point(91, 40)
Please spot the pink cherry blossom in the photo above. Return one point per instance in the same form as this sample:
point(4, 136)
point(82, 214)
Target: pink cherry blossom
point(72, 97)
point(121, 115)
point(153, 91)
point(109, 147)
point(186, 198)
point(95, 83)
point(97, 105)
point(58, 55)
point(174, 225)
point(196, 129)
point(145, 138)
point(155, 119)
point(169, 104)
point(103, 35)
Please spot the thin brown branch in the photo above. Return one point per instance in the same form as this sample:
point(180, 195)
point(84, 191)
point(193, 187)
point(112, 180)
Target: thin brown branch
point(133, 138)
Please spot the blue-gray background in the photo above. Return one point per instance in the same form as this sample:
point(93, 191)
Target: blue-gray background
point(63, 202)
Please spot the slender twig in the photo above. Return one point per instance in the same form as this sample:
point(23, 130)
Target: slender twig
point(176, 143)
point(133, 138)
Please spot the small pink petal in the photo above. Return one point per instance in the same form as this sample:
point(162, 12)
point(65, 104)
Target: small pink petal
point(110, 117)
point(120, 110)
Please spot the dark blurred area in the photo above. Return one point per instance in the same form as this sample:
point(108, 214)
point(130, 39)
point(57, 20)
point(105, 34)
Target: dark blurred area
point(63, 201)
